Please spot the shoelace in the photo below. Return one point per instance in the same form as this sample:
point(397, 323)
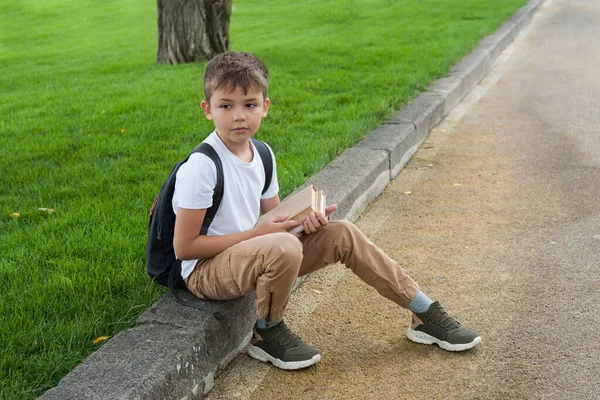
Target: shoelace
point(442, 318)
point(284, 336)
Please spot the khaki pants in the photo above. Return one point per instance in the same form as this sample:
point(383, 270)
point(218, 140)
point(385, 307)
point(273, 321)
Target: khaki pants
point(271, 263)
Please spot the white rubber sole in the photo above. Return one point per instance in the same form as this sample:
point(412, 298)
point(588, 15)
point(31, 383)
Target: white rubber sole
point(261, 355)
point(422, 337)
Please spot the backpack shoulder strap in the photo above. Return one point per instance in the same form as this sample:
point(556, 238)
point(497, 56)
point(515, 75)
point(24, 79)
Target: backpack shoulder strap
point(175, 273)
point(267, 161)
point(210, 152)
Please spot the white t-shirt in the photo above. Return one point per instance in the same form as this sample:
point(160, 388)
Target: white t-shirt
point(243, 183)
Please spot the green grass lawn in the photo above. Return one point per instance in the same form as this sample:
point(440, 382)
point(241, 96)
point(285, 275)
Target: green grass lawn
point(90, 127)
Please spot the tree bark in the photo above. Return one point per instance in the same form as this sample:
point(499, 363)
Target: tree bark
point(192, 30)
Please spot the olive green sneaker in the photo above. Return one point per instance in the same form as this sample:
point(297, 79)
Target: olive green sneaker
point(281, 347)
point(437, 326)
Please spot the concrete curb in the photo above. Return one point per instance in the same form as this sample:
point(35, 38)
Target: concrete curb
point(175, 352)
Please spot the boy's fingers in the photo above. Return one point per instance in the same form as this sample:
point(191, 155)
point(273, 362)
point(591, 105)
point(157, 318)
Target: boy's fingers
point(330, 209)
point(314, 219)
point(280, 218)
point(290, 224)
point(322, 219)
point(307, 228)
point(311, 222)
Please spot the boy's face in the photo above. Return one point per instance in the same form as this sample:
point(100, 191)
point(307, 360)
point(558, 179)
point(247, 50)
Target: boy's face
point(237, 116)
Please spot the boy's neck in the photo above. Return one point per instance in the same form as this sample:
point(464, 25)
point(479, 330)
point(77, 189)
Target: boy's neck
point(242, 150)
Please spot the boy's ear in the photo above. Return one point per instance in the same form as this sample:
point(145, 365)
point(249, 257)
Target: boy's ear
point(266, 107)
point(206, 108)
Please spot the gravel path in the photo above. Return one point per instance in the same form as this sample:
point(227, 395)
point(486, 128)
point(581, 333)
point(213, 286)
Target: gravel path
point(498, 217)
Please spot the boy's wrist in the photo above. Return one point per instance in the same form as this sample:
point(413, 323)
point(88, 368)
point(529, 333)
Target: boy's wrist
point(254, 232)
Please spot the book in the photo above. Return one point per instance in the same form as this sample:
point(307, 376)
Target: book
point(299, 205)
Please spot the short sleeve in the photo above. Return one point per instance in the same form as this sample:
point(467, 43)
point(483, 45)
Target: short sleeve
point(274, 186)
point(195, 183)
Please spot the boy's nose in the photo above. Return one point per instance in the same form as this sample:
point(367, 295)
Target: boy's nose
point(239, 115)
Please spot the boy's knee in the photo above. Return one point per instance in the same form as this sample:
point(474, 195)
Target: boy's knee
point(343, 228)
point(286, 247)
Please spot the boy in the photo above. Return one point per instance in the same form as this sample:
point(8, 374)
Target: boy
point(236, 256)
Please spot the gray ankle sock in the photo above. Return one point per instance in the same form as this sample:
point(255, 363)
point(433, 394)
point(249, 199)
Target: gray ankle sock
point(263, 324)
point(420, 303)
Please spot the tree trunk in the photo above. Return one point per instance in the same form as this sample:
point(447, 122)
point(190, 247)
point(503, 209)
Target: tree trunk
point(192, 30)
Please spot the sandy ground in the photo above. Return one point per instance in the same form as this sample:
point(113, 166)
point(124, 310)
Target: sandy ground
point(498, 217)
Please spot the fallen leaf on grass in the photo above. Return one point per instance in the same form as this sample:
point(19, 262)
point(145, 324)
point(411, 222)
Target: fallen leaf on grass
point(15, 215)
point(100, 339)
point(48, 210)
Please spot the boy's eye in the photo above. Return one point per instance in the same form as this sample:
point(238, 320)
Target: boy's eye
point(251, 105)
point(225, 106)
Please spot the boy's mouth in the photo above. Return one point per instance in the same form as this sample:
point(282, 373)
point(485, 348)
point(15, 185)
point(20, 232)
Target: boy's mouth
point(240, 130)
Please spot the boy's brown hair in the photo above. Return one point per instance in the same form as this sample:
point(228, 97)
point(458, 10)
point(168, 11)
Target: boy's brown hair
point(235, 69)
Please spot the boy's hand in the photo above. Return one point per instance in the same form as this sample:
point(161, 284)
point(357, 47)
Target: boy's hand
point(315, 221)
point(277, 224)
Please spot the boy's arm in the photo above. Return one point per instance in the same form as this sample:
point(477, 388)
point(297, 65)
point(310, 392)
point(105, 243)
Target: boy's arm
point(267, 205)
point(190, 245)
